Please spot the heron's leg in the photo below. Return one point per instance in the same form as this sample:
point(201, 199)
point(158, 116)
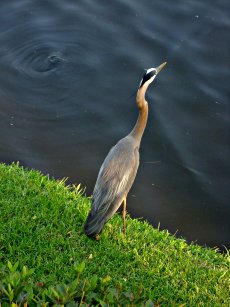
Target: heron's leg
point(124, 214)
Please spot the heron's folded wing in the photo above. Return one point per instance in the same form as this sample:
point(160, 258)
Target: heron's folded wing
point(114, 180)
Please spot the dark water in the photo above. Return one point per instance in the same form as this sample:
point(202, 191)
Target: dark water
point(68, 70)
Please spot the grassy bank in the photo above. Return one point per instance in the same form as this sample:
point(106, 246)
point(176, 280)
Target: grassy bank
point(41, 224)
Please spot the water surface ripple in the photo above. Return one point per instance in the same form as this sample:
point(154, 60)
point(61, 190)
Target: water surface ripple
point(68, 72)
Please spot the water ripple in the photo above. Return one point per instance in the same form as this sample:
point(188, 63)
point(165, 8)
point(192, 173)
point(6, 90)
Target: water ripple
point(67, 69)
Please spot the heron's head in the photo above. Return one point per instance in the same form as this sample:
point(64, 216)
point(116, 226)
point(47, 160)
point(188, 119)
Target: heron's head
point(150, 75)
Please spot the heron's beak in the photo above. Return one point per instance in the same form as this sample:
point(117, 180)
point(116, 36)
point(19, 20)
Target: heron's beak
point(159, 68)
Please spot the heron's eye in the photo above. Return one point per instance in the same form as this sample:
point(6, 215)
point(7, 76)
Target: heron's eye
point(148, 75)
point(152, 72)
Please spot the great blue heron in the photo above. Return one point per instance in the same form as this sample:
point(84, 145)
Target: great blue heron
point(119, 168)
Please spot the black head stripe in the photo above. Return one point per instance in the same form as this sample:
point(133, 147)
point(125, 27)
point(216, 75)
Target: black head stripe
point(147, 76)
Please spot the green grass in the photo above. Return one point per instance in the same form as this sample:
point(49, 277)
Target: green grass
point(41, 223)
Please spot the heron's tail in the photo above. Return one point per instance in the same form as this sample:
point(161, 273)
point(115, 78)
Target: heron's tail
point(94, 224)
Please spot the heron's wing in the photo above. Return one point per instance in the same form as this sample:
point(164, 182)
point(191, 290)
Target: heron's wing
point(114, 181)
point(115, 178)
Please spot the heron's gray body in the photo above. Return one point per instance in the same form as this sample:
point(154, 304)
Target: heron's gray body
point(114, 181)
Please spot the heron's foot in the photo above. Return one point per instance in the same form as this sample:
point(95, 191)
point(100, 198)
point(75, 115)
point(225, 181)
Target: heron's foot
point(97, 237)
point(124, 226)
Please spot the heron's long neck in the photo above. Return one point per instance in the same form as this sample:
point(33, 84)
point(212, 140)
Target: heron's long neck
point(142, 105)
